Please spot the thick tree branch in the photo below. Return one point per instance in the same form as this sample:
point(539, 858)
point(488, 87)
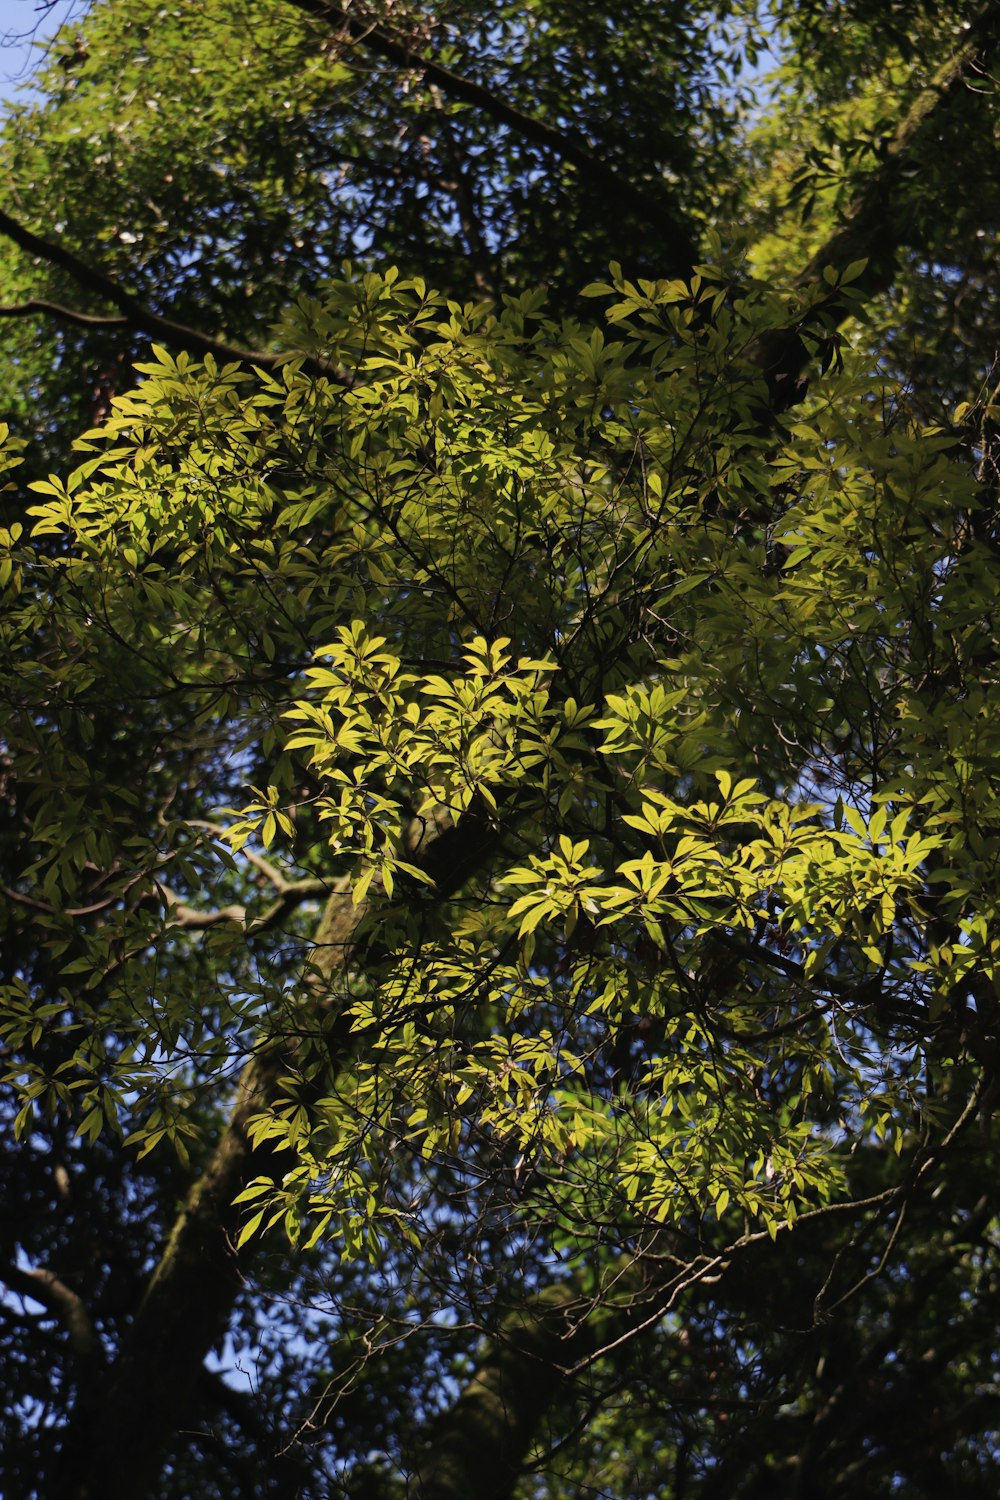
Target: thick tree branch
point(871, 230)
point(861, 234)
point(189, 1298)
point(42, 306)
point(651, 201)
point(133, 313)
point(193, 918)
point(45, 1288)
point(478, 1446)
point(291, 893)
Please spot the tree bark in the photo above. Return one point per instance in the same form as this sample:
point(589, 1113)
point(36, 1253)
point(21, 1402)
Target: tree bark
point(478, 1446)
point(115, 1444)
point(651, 200)
point(132, 313)
point(873, 227)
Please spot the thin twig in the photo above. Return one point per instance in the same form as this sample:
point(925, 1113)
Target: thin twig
point(135, 314)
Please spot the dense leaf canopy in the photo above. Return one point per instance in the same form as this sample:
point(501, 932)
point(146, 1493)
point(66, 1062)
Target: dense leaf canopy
point(499, 764)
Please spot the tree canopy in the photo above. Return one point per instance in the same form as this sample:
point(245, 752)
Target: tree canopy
point(499, 762)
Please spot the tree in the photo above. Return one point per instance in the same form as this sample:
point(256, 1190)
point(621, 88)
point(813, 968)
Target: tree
point(570, 1064)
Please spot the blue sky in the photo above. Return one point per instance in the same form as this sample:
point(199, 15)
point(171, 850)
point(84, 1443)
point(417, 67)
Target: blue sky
point(21, 23)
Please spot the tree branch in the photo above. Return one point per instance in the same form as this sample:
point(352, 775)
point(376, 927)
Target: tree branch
point(678, 248)
point(45, 1288)
point(189, 1297)
point(133, 313)
point(870, 231)
point(192, 918)
point(291, 895)
point(41, 305)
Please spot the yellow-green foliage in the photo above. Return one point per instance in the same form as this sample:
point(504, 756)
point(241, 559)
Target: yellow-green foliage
point(686, 692)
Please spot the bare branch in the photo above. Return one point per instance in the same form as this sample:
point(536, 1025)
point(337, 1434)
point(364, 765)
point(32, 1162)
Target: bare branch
point(49, 309)
point(292, 894)
point(310, 886)
point(67, 911)
point(182, 915)
point(135, 314)
point(55, 1296)
point(651, 200)
point(868, 233)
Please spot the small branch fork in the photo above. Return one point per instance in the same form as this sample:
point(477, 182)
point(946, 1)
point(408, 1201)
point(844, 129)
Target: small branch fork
point(132, 313)
point(44, 1287)
point(650, 200)
point(290, 894)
